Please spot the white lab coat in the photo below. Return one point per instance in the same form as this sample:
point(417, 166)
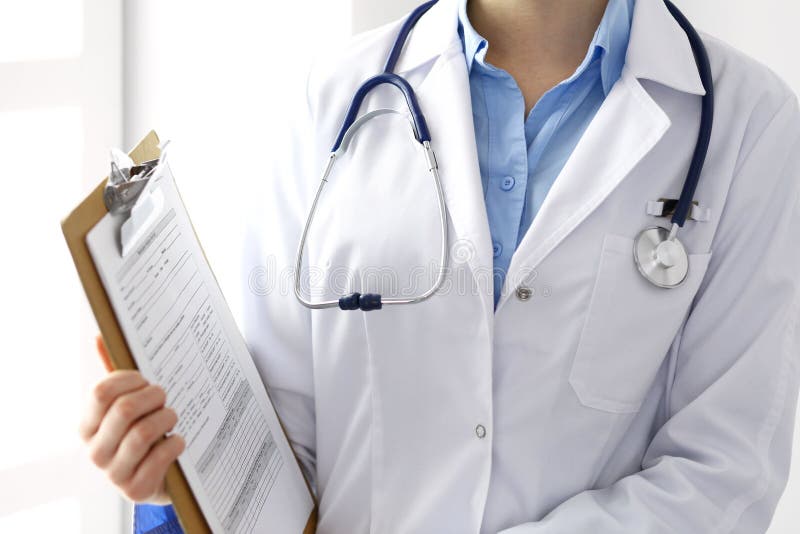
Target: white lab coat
point(609, 405)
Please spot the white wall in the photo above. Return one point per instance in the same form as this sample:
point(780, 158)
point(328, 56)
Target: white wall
point(764, 29)
point(215, 79)
point(60, 108)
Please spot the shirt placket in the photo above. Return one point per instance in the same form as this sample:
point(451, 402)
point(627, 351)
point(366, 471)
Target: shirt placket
point(507, 170)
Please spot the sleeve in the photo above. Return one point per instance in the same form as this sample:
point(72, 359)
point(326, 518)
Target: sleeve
point(721, 460)
point(276, 327)
point(154, 519)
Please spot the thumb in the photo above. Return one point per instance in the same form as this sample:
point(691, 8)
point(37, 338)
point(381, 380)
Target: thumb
point(101, 350)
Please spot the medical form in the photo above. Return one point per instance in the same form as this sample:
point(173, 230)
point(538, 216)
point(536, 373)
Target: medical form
point(237, 461)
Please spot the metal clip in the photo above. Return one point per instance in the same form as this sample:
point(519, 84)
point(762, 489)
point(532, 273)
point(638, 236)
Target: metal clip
point(125, 185)
point(430, 156)
point(665, 207)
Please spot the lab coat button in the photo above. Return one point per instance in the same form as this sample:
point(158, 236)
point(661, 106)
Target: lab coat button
point(480, 431)
point(524, 293)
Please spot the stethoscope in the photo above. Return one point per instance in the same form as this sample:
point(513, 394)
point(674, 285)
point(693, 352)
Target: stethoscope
point(658, 253)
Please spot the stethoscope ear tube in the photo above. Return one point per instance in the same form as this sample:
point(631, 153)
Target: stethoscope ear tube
point(388, 76)
point(373, 301)
point(706, 117)
point(402, 35)
point(420, 126)
point(351, 123)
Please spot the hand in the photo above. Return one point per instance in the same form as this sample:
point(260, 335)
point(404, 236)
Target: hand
point(124, 427)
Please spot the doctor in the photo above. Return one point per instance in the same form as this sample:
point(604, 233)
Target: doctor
point(547, 388)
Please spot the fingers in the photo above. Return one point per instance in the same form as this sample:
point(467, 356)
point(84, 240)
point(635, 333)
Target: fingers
point(105, 393)
point(148, 480)
point(124, 427)
point(101, 350)
point(122, 414)
point(136, 443)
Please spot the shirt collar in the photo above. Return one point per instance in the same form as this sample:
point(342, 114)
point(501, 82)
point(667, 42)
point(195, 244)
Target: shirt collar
point(610, 42)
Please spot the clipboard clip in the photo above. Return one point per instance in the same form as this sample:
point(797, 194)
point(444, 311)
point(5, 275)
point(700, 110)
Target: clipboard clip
point(131, 191)
point(126, 182)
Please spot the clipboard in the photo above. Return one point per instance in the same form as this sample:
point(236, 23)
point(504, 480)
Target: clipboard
point(75, 227)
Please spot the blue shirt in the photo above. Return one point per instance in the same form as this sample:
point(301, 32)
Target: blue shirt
point(520, 157)
point(153, 519)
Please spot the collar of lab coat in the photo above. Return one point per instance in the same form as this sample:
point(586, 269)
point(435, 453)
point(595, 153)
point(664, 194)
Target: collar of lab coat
point(658, 49)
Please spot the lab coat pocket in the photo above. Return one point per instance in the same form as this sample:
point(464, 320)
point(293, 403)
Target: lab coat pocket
point(629, 328)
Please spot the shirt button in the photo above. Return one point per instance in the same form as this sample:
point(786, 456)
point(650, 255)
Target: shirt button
point(524, 293)
point(508, 183)
point(480, 431)
point(497, 249)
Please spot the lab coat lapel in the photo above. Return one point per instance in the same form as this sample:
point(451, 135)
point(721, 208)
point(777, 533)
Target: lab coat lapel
point(445, 100)
point(444, 97)
point(626, 128)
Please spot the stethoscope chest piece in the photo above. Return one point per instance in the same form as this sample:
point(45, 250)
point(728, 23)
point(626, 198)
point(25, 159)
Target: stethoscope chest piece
point(660, 257)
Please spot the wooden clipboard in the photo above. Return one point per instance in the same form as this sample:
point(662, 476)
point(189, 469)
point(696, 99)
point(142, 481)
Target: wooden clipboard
point(75, 227)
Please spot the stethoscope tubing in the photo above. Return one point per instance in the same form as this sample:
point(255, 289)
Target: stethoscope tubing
point(681, 213)
point(352, 122)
